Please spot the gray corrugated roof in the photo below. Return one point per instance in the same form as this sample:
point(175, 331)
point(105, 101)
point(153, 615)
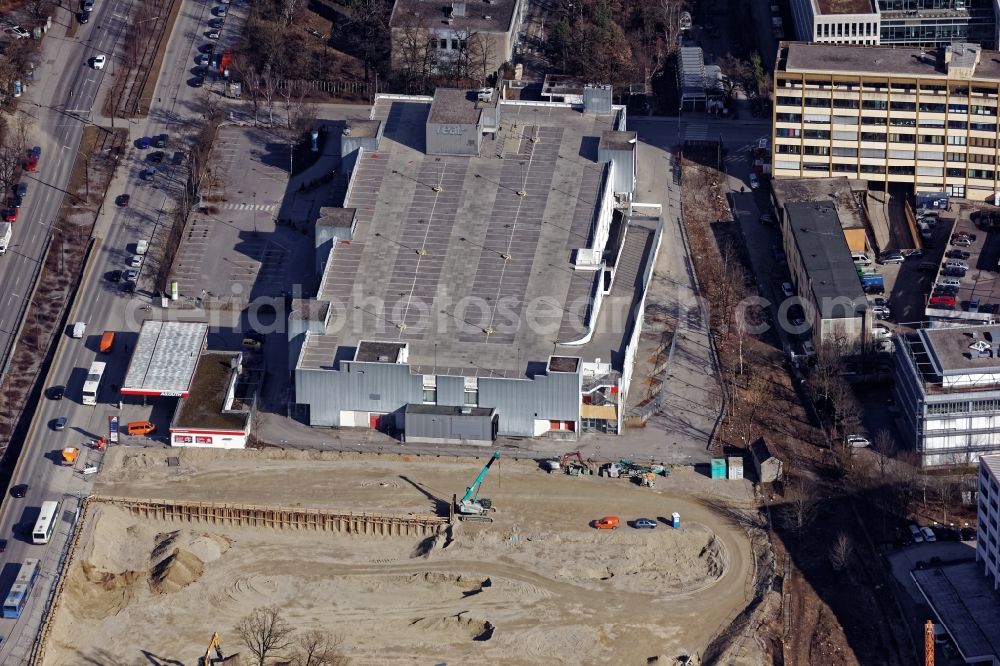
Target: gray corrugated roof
point(165, 357)
point(820, 240)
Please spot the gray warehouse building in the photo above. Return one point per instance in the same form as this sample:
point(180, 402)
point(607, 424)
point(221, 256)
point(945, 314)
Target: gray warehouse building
point(486, 277)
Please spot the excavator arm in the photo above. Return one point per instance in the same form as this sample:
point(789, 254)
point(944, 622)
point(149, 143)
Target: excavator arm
point(473, 491)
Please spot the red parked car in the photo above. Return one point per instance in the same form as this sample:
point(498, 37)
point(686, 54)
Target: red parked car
point(10, 215)
point(122, 200)
point(943, 300)
point(31, 164)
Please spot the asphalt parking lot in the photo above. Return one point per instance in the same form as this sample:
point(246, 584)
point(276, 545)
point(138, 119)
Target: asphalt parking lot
point(233, 248)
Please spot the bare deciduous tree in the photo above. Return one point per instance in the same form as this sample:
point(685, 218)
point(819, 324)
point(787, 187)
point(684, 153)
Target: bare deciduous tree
point(264, 633)
point(884, 446)
point(840, 554)
point(801, 509)
point(482, 53)
point(319, 648)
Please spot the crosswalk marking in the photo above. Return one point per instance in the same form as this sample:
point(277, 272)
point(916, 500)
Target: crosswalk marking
point(246, 206)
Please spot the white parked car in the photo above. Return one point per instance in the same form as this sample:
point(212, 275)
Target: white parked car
point(881, 331)
point(917, 535)
point(754, 181)
point(928, 534)
point(97, 62)
point(858, 442)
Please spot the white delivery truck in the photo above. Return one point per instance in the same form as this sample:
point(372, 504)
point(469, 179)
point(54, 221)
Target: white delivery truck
point(6, 231)
point(79, 328)
point(141, 247)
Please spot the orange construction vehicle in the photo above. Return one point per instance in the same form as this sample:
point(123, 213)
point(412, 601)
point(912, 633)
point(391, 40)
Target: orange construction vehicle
point(107, 342)
point(69, 455)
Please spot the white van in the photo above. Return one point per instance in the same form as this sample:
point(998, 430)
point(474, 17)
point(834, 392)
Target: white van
point(861, 258)
point(141, 247)
point(949, 282)
point(79, 329)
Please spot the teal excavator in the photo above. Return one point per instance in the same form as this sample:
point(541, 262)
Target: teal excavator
point(473, 507)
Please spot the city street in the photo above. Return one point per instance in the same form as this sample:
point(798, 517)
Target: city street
point(59, 119)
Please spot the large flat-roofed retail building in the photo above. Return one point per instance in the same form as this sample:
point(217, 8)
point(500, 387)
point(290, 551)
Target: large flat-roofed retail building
point(494, 263)
point(927, 118)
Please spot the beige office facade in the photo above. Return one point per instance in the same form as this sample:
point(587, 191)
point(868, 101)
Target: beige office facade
point(927, 118)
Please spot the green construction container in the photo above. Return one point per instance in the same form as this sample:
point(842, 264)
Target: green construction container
point(718, 468)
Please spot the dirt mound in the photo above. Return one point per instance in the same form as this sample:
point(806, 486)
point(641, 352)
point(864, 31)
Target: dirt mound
point(175, 571)
point(456, 626)
point(178, 559)
point(93, 593)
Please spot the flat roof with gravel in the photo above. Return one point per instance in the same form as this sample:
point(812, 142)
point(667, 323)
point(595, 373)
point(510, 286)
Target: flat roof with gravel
point(968, 607)
point(468, 260)
point(884, 61)
point(203, 407)
point(835, 7)
point(164, 359)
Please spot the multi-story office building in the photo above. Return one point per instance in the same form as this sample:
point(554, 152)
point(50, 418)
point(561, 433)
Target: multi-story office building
point(988, 537)
point(889, 115)
point(948, 393)
point(916, 23)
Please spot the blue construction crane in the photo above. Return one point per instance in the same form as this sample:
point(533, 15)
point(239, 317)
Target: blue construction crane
point(470, 502)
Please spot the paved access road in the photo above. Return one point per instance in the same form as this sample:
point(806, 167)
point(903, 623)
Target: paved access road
point(58, 106)
point(102, 304)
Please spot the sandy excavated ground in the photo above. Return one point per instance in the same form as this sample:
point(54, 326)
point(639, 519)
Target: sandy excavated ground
point(537, 586)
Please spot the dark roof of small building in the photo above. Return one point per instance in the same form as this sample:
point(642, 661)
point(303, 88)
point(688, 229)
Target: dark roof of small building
point(614, 140)
point(563, 84)
point(379, 352)
point(479, 16)
point(564, 363)
point(448, 410)
point(458, 106)
point(309, 309)
point(332, 216)
point(835, 7)
point(838, 189)
point(826, 257)
point(203, 408)
point(361, 128)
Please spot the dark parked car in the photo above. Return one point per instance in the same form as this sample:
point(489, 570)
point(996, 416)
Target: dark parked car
point(156, 157)
point(644, 524)
point(3, 545)
point(83, 17)
point(122, 200)
point(957, 254)
point(197, 82)
point(20, 189)
point(968, 534)
point(57, 392)
point(20, 490)
point(953, 272)
point(114, 276)
point(160, 141)
point(59, 423)
point(142, 143)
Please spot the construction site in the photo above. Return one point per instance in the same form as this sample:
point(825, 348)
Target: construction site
point(406, 559)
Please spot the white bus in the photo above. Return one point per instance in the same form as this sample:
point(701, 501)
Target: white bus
point(46, 523)
point(93, 383)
